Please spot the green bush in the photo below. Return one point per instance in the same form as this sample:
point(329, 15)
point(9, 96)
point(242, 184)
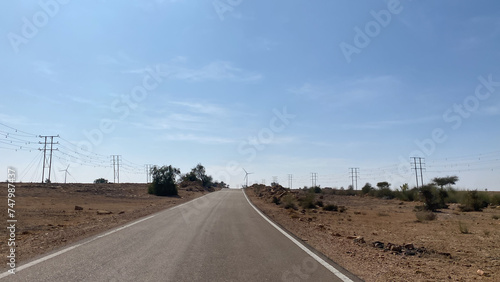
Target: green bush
point(495, 199)
point(473, 201)
point(100, 180)
point(307, 202)
point(164, 181)
point(315, 189)
point(407, 194)
point(454, 196)
point(385, 192)
point(276, 200)
point(319, 203)
point(366, 189)
point(288, 202)
point(428, 194)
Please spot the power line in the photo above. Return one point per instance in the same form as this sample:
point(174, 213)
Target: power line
point(17, 131)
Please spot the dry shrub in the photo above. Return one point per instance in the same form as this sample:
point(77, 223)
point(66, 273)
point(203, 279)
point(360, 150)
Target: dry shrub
point(425, 216)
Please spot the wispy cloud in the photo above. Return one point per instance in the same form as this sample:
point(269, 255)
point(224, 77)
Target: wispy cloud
point(392, 123)
point(202, 139)
point(174, 121)
point(178, 68)
point(350, 90)
point(201, 108)
point(218, 71)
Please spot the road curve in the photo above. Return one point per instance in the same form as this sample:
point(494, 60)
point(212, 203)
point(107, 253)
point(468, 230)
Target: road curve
point(218, 237)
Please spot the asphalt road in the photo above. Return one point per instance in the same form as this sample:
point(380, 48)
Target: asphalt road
point(219, 237)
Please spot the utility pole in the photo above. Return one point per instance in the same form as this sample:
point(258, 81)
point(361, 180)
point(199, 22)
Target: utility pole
point(49, 159)
point(421, 175)
point(116, 168)
point(290, 178)
point(314, 178)
point(414, 163)
point(354, 176)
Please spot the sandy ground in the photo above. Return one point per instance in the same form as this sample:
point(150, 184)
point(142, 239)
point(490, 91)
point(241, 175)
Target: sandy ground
point(47, 219)
point(435, 250)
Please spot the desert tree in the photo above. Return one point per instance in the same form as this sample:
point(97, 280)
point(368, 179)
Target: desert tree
point(367, 188)
point(443, 181)
point(163, 183)
point(442, 193)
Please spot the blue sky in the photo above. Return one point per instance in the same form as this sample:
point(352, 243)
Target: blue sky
point(277, 88)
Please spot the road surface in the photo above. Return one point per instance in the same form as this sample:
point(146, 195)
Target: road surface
point(218, 237)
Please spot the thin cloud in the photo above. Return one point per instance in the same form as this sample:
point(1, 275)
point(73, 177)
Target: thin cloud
point(202, 139)
point(201, 108)
point(214, 71)
point(392, 123)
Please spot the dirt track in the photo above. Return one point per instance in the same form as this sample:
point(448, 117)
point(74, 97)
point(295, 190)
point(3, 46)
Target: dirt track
point(47, 218)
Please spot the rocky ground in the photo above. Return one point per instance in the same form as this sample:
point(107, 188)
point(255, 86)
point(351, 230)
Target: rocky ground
point(382, 240)
point(53, 215)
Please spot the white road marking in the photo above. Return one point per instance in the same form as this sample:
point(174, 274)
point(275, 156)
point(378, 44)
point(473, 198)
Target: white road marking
point(35, 262)
point(328, 266)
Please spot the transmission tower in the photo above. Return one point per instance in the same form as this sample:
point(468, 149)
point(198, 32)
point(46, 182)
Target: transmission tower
point(314, 178)
point(116, 168)
point(417, 165)
point(47, 160)
point(290, 178)
point(354, 171)
point(149, 177)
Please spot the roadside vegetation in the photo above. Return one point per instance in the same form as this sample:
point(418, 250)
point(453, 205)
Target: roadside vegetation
point(168, 179)
point(434, 196)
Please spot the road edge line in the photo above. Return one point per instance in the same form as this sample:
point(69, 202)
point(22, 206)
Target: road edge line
point(321, 261)
point(95, 237)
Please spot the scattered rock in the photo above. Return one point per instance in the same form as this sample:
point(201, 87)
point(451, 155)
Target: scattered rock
point(103, 212)
point(480, 272)
point(409, 246)
point(122, 212)
point(359, 239)
point(352, 237)
point(378, 244)
point(410, 253)
point(396, 248)
point(78, 208)
point(336, 235)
